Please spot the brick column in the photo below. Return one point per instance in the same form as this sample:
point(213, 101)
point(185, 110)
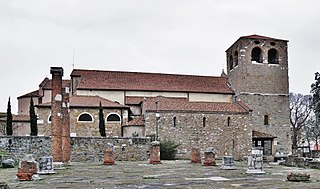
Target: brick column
point(65, 127)
point(209, 157)
point(108, 155)
point(195, 155)
point(155, 153)
point(56, 106)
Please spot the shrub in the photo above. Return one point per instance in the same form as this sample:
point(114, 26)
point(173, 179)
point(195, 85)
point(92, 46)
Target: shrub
point(168, 149)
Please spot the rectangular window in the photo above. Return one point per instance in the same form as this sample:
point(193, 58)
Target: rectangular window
point(266, 120)
point(229, 121)
point(174, 121)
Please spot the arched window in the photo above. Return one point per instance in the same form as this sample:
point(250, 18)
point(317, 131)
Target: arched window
point(231, 62)
point(113, 118)
point(256, 55)
point(174, 121)
point(85, 117)
point(49, 118)
point(273, 56)
point(235, 58)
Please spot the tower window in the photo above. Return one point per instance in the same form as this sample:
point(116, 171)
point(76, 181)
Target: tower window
point(256, 55)
point(273, 56)
point(85, 117)
point(236, 59)
point(174, 121)
point(203, 122)
point(231, 62)
point(113, 118)
point(228, 121)
point(266, 120)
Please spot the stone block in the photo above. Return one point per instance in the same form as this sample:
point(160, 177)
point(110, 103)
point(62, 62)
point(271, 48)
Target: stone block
point(195, 155)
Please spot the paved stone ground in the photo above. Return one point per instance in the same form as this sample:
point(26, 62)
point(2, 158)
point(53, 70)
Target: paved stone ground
point(169, 174)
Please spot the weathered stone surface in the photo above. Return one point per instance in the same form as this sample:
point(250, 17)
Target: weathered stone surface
point(7, 163)
point(298, 177)
point(228, 163)
point(4, 185)
point(209, 158)
point(82, 148)
point(255, 161)
point(189, 132)
point(46, 165)
point(108, 155)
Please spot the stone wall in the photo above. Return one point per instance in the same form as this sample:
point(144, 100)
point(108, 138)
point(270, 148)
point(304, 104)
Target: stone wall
point(189, 132)
point(82, 148)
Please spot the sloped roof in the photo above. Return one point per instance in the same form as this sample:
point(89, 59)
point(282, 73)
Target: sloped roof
point(255, 36)
point(17, 118)
point(88, 101)
point(259, 134)
point(182, 104)
point(137, 81)
point(138, 121)
point(134, 100)
point(46, 84)
point(31, 94)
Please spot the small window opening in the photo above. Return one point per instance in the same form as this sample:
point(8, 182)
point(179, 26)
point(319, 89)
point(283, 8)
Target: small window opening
point(174, 121)
point(273, 56)
point(85, 117)
point(273, 43)
point(266, 120)
point(236, 59)
point(49, 119)
point(257, 42)
point(256, 55)
point(204, 122)
point(229, 121)
point(231, 62)
point(113, 117)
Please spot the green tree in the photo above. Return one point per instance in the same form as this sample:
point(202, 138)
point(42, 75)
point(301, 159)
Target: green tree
point(168, 149)
point(9, 119)
point(33, 119)
point(102, 127)
point(315, 90)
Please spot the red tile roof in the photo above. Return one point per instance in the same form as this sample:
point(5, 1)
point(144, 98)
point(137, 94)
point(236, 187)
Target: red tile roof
point(138, 121)
point(136, 81)
point(254, 36)
point(46, 84)
point(17, 118)
point(89, 101)
point(31, 94)
point(259, 134)
point(134, 100)
point(182, 104)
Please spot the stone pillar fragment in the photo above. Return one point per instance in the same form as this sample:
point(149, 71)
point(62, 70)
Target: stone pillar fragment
point(108, 155)
point(195, 155)
point(56, 106)
point(255, 161)
point(209, 157)
point(228, 163)
point(27, 168)
point(155, 153)
point(46, 165)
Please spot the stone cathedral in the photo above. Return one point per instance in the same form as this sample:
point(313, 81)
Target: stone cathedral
point(247, 106)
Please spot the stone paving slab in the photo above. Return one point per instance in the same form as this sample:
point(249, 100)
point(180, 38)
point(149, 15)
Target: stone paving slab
point(169, 174)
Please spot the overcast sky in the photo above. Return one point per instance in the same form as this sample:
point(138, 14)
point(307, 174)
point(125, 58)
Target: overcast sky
point(166, 36)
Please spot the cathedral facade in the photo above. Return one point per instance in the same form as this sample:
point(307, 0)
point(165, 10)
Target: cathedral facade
point(248, 106)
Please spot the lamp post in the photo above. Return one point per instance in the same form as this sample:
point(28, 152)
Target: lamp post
point(157, 120)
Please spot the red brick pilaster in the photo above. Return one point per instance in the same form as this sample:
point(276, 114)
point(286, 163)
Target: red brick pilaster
point(155, 152)
point(65, 128)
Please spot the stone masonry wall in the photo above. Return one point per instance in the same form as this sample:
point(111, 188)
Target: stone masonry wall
point(82, 148)
point(189, 132)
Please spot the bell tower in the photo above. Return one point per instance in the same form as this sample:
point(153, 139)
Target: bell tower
point(257, 68)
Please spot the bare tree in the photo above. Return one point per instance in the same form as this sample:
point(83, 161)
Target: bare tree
point(300, 109)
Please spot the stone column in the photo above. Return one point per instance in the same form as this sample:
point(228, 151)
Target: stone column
point(56, 106)
point(108, 155)
point(195, 155)
point(209, 157)
point(65, 127)
point(155, 153)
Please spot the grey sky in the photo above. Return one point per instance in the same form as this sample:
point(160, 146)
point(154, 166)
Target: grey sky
point(169, 36)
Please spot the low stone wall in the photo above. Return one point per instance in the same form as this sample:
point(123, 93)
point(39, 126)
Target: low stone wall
point(293, 161)
point(82, 148)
